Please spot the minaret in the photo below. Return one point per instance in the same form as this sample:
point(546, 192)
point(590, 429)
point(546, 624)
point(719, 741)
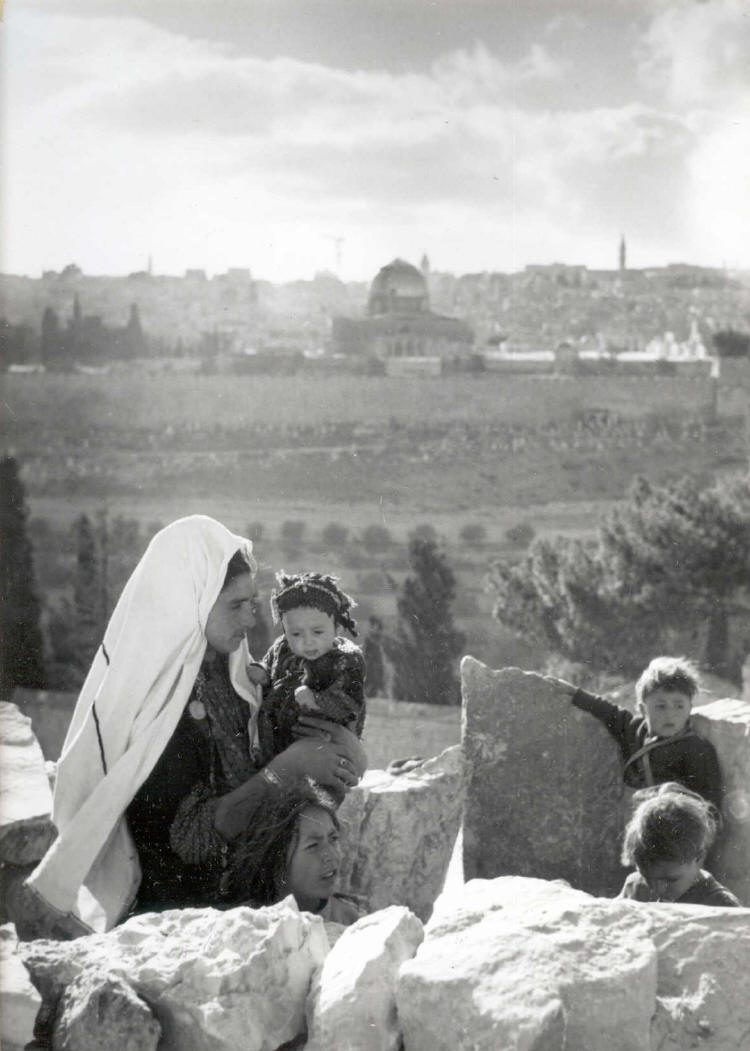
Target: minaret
point(622, 254)
point(425, 265)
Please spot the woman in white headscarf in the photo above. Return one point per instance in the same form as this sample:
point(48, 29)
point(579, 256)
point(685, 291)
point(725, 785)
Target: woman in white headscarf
point(158, 773)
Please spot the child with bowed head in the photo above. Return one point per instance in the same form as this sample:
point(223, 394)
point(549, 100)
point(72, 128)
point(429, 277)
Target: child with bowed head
point(309, 669)
point(658, 743)
point(667, 839)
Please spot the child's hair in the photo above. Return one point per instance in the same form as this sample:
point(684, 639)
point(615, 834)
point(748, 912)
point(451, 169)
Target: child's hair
point(257, 870)
point(668, 673)
point(316, 591)
point(671, 823)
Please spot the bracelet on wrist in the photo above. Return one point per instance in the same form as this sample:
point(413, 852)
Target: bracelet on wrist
point(271, 777)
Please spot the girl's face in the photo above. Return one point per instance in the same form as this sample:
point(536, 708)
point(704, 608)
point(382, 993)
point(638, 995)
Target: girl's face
point(232, 614)
point(309, 632)
point(313, 865)
point(668, 880)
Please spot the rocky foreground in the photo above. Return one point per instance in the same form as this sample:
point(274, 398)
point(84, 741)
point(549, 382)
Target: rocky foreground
point(510, 961)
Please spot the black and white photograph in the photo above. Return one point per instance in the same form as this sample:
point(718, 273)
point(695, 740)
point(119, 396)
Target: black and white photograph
point(375, 525)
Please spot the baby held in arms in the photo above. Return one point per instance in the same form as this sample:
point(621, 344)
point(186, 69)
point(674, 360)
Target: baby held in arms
point(309, 669)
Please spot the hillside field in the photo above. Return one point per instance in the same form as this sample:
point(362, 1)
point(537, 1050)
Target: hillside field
point(550, 453)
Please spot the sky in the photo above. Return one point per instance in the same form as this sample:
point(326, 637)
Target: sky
point(295, 136)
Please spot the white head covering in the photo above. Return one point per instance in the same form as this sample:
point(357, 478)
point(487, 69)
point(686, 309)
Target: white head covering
point(128, 708)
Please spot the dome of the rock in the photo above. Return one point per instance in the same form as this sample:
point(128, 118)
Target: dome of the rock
point(398, 288)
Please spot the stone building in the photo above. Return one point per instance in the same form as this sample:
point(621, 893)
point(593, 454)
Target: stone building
point(399, 323)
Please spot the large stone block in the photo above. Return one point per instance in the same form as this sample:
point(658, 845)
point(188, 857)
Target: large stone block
point(352, 1004)
point(399, 833)
point(19, 1000)
point(544, 792)
point(726, 724)
point(26, 828)
point(703, 984)
point(214, 980)
point(526, 965)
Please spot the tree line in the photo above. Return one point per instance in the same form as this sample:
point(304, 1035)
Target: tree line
point(423, 649)
point(667, 571)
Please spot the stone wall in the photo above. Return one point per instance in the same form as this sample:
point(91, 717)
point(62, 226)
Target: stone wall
point(512, 963)
point(726, 724)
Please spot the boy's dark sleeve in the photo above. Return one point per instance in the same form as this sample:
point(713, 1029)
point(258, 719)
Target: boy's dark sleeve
point(343, 701)
point(701, 771)
point(619, 721)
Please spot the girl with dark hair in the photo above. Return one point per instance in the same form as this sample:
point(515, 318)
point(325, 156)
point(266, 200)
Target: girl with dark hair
point(158, 773)
point(293, 850)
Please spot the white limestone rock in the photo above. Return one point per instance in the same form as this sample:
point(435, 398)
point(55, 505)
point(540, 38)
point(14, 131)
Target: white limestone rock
point(399, 832)
point(521, 964)
point(726, 724)
point(352, 1003)
point(97, 1004)
point(26, 828)
point(215, 980)
point(19, 1000)
point(703, 987)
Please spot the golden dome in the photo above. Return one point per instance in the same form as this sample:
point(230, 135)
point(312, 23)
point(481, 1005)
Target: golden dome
point(398, 288)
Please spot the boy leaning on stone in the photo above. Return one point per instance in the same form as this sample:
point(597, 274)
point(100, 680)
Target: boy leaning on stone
point(658, 743)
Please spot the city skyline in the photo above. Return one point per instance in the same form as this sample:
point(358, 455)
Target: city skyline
point(291, 138)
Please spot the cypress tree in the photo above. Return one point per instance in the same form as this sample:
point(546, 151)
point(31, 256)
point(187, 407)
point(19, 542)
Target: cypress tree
point(90, 614)
point(426, 647)
point(21, 646)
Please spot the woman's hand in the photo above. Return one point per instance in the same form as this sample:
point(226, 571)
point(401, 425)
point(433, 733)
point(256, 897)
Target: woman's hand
point(324, 751)
point(348, 745)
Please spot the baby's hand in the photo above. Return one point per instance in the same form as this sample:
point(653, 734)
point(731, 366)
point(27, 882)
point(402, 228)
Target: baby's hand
point(257, 676)
point(305, 698)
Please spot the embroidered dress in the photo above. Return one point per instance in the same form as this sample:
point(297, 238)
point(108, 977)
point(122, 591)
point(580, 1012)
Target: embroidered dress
point(171, 817)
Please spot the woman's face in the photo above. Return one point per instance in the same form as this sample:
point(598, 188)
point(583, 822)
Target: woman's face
point(232, 614)
point(314, 863)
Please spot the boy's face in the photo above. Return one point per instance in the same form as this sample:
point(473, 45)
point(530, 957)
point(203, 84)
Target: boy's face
point(668, 880)
point(666, 711)
point(309, 632)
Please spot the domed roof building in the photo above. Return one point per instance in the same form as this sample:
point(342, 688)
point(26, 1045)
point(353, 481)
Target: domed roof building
point(398, 288)
point(400, 328)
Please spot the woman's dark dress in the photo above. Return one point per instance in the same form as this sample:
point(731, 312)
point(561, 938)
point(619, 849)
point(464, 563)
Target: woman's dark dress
point(171, 817)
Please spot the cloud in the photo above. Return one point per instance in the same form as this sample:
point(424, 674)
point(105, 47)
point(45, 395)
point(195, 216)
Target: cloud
point(137, 132)
point(697, 53)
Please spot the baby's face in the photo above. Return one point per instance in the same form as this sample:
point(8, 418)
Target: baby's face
point(666, 711)
point(309, 632)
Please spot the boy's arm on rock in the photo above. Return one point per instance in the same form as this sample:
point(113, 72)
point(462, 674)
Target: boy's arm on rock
point(617, 720)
